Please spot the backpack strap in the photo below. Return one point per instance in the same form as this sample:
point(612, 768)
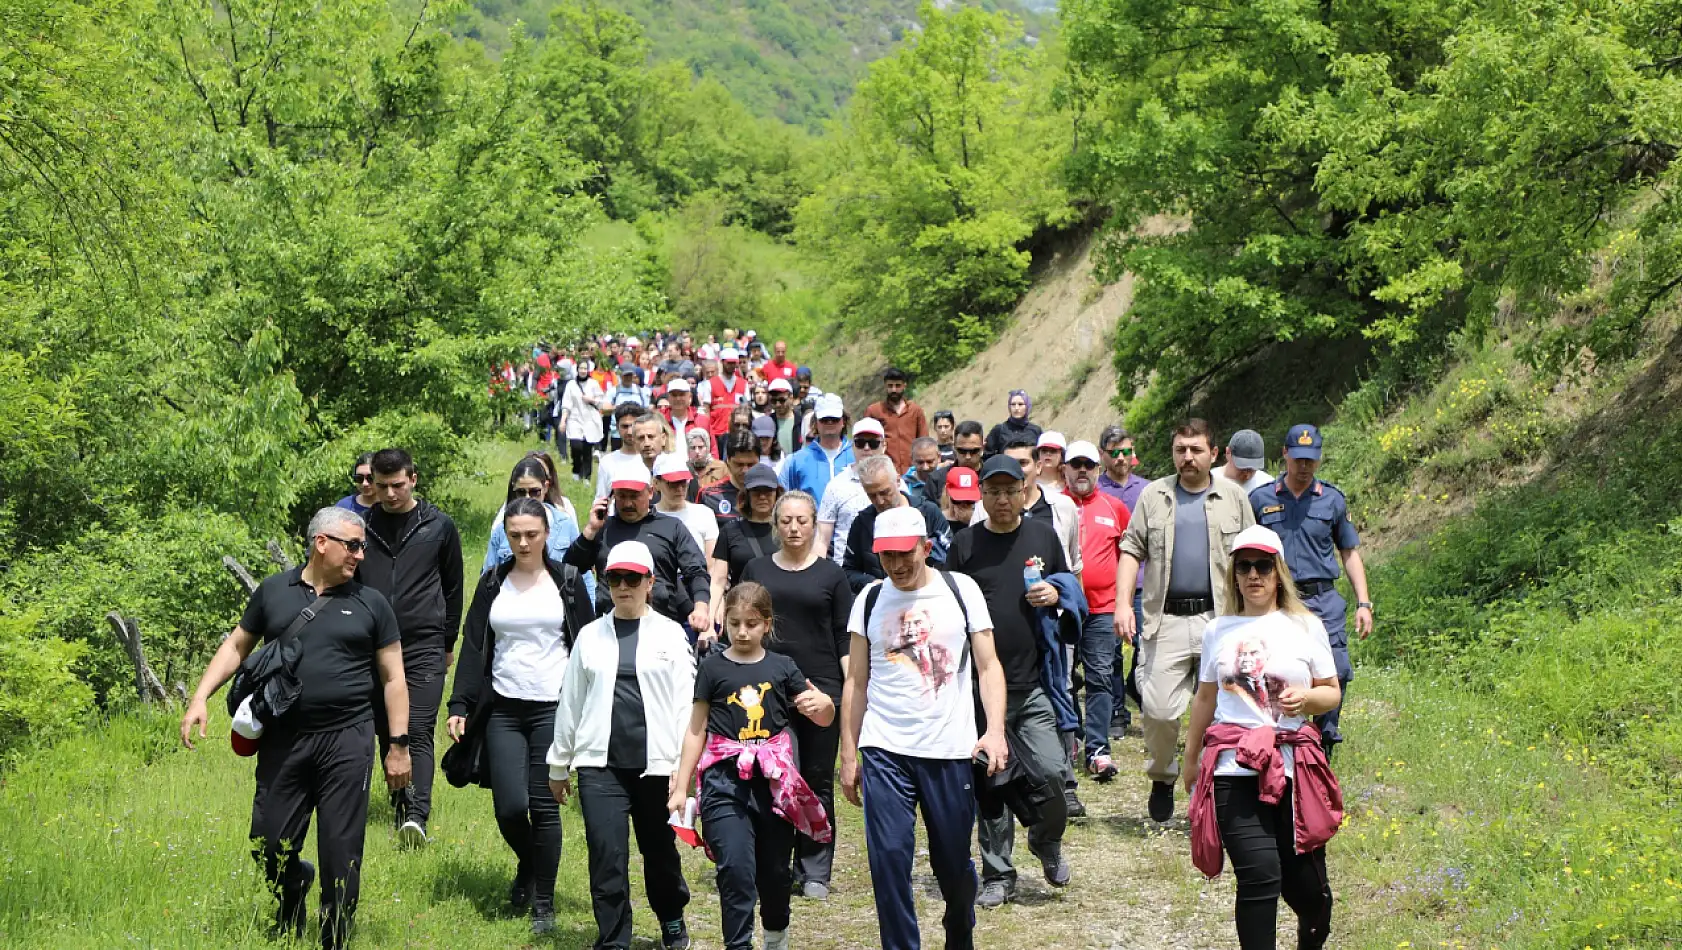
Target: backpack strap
point(304, 617)
point(875, 592)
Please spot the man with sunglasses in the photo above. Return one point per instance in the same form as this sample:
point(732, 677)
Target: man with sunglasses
point(783, 415)
point(844, 497)
point(967, 446)
point(827, 454)
point(1311, 518)
point(1102, 522)
point(1181, 531)
point(414, 559)
point(1122, 481)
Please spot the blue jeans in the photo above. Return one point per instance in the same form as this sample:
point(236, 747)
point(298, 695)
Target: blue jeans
point(1097, 657)
point(893, 787)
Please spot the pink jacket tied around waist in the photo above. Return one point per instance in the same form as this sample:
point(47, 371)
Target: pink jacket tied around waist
point(1318, 807)
point(791, 798)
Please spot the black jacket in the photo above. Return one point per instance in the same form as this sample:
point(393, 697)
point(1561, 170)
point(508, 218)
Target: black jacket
point(473, 667)
point(422, 578)
point(1019, 786)
point(861, 563)
point(680, 570)
point(1011, 430)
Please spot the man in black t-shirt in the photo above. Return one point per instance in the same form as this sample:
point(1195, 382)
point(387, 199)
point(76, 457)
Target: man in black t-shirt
point(996, 552)
point(315, 758)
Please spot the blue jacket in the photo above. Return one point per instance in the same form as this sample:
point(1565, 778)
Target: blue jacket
point(1054, 677)
point(809, 470)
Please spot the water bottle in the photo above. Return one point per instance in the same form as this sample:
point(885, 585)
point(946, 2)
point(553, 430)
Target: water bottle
point(1031, 574)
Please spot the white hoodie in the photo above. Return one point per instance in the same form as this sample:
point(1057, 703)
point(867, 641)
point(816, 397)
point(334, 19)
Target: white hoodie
point(666, 675)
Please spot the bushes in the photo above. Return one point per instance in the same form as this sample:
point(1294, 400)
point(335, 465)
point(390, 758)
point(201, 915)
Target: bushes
point(40, 697)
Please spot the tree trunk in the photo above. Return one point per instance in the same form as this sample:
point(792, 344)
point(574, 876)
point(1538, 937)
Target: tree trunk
point(240, 573)
point(278, 555)
point(146, 682)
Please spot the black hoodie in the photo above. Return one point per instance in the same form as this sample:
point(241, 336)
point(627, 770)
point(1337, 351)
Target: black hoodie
point(421, 577)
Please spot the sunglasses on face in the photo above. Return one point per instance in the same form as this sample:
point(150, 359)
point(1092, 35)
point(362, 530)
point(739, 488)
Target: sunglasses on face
point(967, 451)
point(362, 479)
point(1121, 453)
point(528, 493)
point(1261, 568)
point(1083, 465)
point(867, 443)
point(353, 545)
point(623, 578)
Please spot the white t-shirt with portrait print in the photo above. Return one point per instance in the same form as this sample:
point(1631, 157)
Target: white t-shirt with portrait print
point(1251, 660)
point(920, 700)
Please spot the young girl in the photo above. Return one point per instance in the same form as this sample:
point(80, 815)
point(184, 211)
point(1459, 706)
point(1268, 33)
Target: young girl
point(754, 800)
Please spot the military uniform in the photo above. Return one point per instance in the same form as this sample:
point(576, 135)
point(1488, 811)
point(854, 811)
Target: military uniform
point(1314, 529)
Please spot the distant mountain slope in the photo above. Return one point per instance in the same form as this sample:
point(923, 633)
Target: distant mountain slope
point(797, 60)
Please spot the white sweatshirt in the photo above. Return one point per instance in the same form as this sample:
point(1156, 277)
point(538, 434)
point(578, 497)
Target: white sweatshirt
point(666, 675)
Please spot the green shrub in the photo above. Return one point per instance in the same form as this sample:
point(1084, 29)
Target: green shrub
point(41, 699)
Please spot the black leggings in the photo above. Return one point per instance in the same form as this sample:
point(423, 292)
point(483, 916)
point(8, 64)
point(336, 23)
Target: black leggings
point(1260, 840)
point(517, 738)
point(581, 458)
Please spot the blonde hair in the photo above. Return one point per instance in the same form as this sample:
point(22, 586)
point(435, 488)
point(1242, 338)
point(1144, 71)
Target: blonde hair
point(1285, 597)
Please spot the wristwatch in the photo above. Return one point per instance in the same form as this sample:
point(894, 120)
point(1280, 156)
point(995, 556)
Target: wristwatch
point(401, 741)
point(1363, 603)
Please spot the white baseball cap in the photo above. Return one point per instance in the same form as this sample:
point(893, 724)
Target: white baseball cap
point(679, 385)
point(730, 354)
point(1053, 439)
point(900, 529)
point(1082, 449)
point(868, 426)
point(829, 407)
point(631, 556)
point(670, 466)
point(779, 385)
point(633, 475)
point(1257, 538)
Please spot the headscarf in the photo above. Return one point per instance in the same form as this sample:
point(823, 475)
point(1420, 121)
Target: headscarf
point(1027, 404)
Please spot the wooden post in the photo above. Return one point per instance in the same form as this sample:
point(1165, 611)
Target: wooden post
point(146, 682)
point(240, 573)
point(278, 555)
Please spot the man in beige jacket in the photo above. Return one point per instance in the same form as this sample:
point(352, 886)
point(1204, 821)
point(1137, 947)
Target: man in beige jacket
point(1182, 529)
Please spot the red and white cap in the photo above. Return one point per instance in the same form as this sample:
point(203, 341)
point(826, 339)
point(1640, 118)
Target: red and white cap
point(1082, 449)
point(730, 355)
point(679, 385)
point(869, 426)
point(631, 556)
point(1051, 438)
point(779, 385)
point(671, 467)
point(631, 475)
point(1257, 538)
point(962, 485)
point(246, 730)
point(900, 529)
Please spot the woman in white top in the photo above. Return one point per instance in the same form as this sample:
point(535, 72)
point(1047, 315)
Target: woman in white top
point(582, 402)
point(526, 613)
point(620, 726)
point(1266, 664)
point(672, 475)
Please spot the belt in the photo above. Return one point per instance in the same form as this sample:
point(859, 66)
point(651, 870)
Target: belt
point(1188, 606)
point(1307, 589)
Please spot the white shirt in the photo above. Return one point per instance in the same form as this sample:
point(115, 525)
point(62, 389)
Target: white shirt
point(843, 499)
point(530, 654)
point(1257, 479)
point(700, 521)
point(1252, 660)
point(920, 700)
point(582, 404)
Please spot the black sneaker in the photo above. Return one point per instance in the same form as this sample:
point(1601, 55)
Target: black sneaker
point(290, 919)
point(1162, 801)
point(542, 917)
point(1073, 803)
point(519, 894)
point(674, 934)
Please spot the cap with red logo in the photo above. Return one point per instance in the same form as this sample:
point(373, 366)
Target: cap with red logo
point(961, 484)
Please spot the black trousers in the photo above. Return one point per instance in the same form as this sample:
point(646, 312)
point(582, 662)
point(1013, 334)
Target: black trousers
point(815, 748)
point(1260, 840)
point(751, 848)
point(607, 798)
point(517, 738)
point(583, 458)
point(423, 670)
point(325, 773)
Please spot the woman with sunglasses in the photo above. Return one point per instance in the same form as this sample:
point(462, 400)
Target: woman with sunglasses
point(531, 479)
point(627, 683)
point(362, 476)
point(555, 497)
point(1262, 790)
point(525, 617)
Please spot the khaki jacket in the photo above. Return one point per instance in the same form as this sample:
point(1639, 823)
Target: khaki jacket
point(1150, 538)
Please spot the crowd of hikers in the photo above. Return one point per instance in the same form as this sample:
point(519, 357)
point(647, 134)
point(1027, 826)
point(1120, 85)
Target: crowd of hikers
point(771, 595)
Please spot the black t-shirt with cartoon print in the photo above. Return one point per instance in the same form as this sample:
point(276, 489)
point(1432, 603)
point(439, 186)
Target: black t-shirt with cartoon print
point(749, 700)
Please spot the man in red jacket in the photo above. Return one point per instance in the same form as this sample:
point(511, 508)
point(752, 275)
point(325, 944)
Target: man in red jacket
point(725, 391)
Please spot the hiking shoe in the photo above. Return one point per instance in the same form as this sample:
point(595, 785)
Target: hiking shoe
point(1057, 871)
point(290, 919)
point(1072, 802)
point(776, 940)
point(519, 894)
point(995, 894)
point(542, 917)
point(1101, 768)
point(674, 934)
point(412, 834)
point(815, 891)
point(1162, 801)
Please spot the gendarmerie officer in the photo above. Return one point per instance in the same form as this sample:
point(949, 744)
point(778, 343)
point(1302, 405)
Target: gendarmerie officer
point(1311, 517)
point(315, 758)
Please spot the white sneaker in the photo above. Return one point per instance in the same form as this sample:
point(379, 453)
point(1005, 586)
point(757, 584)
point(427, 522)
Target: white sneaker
point(776, 940)
point(412, 835)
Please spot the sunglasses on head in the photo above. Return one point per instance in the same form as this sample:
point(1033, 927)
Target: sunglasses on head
point(528, 493)
point(867, 443)
point(1260, 567)
point(623, 578)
